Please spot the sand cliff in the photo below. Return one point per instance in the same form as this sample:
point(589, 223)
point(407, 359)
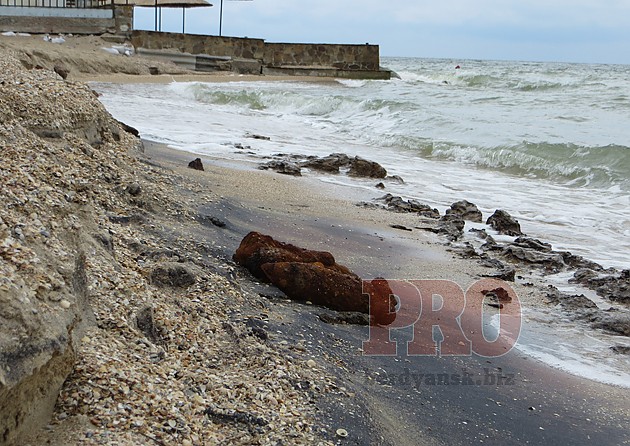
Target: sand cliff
point(103, 287)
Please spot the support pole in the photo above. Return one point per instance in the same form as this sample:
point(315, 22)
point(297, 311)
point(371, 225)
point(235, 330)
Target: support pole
point(221, 19)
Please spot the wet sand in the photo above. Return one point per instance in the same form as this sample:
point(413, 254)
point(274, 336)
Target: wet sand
point(512, 399)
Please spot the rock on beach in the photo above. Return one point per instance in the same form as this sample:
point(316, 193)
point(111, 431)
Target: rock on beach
point(314, 276)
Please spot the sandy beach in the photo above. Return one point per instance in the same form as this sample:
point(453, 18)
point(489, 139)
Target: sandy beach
point(307, 213)
point(326, 383)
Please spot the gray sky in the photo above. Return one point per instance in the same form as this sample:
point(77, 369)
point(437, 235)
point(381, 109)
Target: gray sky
point(536, 30)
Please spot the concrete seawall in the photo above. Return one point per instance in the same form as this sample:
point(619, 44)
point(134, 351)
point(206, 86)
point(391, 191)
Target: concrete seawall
point(251, 56)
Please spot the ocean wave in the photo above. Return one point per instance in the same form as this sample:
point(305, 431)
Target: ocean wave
point(206, 94)
point(352, 83)
point(403, 110)
point(453, 78)
point(277, 101)
point(498, 80)
point(540, 85)
point(569, 164)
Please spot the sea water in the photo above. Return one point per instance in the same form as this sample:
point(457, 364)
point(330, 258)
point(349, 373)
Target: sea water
point(547, 142)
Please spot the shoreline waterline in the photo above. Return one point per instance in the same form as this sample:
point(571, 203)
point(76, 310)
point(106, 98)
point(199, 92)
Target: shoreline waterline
point(369, 119)
point(326, 212)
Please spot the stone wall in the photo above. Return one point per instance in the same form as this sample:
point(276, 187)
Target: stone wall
point(67, 20)
point(270, 55)
point(341, 57)
point(235, 47)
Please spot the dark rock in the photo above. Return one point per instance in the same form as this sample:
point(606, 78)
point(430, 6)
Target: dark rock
point(331, 163)
point(621, 349)
point(401, 227)
point(504, 223)
point(615, 323)
point(467, 251)
point(233, 417)
point(483, 235)
point(217, 222)
point(570, 302)
point(398, 204)
point(257, 249)
point(283, 167)
point(496, 297)
point(395, 179)
point(532, 243)
point(491, 245)
point(492, 263)
point(129, 129)
point(62, 71)
point(360, 167)
point(508, 274)
point(480, 233)
point(380, 186)
point(208, 220)
point(466, 211)
point(503, 271)
point(154, 71)
point(196, 164)
point(584, 275)
point(260, 333)
point(451, 226)
point(575, 261)
point(134, 189)
point(261, 137)
point(368, 205)
point(550, 260)
point(614, 286)
point(172, 274)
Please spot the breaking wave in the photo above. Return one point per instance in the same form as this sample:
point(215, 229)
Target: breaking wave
point(401, 122)
point(569, 164)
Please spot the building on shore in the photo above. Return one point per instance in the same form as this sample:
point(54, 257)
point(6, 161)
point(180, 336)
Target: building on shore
point(193, 51)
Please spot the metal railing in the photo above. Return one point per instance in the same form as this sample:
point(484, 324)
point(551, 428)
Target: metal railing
point(77, 4)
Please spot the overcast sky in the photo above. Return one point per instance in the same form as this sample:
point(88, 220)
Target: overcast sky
point(535, 30)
